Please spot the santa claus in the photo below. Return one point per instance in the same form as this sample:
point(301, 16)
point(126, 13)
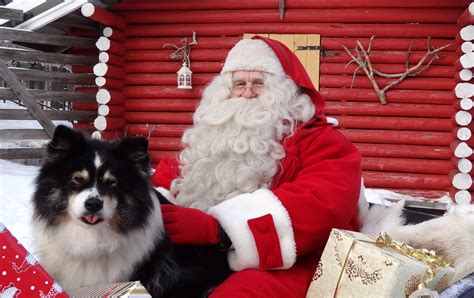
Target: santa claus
point(262, 174)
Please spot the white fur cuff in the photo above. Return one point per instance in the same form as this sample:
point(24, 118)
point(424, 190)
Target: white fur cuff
point(233, 215)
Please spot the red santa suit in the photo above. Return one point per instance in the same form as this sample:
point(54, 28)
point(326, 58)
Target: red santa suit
point(278, 233)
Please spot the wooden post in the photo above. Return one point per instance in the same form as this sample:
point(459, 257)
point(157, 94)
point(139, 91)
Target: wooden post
point(9, 77)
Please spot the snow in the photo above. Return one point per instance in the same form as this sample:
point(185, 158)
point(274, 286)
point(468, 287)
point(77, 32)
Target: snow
point(16, 190)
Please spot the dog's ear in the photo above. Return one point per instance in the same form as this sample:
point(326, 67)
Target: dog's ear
point(134, 149)
point(64, 141)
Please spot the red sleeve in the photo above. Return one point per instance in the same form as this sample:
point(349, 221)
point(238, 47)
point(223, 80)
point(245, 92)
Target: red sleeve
point(324, 191)
point(166, 171)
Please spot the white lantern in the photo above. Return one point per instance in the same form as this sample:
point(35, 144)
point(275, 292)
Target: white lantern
point(184, 77)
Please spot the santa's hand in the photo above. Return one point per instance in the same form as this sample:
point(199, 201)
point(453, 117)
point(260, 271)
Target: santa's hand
point(189, 225)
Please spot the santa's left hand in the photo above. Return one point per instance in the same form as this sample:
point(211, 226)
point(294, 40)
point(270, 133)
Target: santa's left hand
point(189, 225)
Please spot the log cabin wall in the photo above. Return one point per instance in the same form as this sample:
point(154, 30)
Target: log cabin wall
point(407, 145)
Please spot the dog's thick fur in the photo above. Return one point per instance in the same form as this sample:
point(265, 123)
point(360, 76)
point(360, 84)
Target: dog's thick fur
point(97, 220)
point(451, 235)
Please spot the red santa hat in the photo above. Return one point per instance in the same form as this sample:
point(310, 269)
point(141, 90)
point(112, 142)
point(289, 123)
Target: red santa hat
point(271, 56)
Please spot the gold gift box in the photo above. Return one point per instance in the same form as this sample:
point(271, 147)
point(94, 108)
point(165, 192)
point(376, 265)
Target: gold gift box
point(357, 265)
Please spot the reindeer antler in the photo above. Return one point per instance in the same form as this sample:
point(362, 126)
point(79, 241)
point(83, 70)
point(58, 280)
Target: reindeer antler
point(364, 63)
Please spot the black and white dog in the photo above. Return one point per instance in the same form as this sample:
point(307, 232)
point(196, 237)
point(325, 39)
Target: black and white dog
point(97, 220)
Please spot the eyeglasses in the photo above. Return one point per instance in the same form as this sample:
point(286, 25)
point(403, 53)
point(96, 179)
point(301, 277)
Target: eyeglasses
point(240, 87)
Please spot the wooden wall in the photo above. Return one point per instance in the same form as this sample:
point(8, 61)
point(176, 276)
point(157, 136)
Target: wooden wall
point(405, 144)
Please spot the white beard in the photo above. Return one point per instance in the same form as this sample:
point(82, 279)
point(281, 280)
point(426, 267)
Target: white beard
point(235, 144)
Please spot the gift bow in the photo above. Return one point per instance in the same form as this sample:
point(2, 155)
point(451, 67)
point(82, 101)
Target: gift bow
point(429, 257)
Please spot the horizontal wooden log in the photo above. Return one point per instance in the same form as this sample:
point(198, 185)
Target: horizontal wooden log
point(467, 60)
point(249, 4)
point(426, 138)
point(110, 110)
point(403, 151)
point(35, 56)
point(292, 15)
point(109, 123)
point(467, 17)
point(85, 106)
point(106, 70)
point(157, 43)
point(463, 90)
point(406, 165)
point(461, 196)
point(466, 47)
point(462, 133)
point(60, 96)
point(462, 118)
point(463, 104)
point(165, 79)
point(53, 76)
point(156, 130)
point(467, 33)
point(160, 92)
point(207, 55)
point(406, 180)
point(390, 44)
point(158, 117)
point(166, 67)
point(462, 165)
point(82, 51)
point(110, 58)
point(394, 109)
point(11, 14)
point(73, 31)
point(362, 82)
point(460, 180)
point(116, 134)
point(434, 71)
point(161, 105)
point(110, 97)
point(109, 83)
point(394, 57)
point(325, 29)
point(394, 123)
point(103, 16)
point(164, 144)
point(22, 153)
point(82, 69)
point(13, 114)
point(464, 75)
point(393, 96)
point(44, 38)
point(114, 34)
point(114, 47)
point(23, 134)
point(460, 149)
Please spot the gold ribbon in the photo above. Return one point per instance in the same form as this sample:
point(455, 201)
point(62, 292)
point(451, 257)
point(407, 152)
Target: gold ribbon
point(429, 257)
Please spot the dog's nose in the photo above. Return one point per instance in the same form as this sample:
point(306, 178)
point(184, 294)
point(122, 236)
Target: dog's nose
point(93, 204)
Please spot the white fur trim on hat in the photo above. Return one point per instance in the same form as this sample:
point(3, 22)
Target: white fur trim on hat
point(233, 215)
point(252, 55)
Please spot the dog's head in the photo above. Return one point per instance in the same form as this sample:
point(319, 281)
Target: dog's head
point(93, 183)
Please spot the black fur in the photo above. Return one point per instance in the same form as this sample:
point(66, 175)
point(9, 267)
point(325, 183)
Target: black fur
point(180, 271)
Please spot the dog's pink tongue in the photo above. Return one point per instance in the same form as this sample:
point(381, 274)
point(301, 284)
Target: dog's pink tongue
point(92, 219)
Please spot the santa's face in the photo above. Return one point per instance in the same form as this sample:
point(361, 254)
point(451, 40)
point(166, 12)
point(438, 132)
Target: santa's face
point(247, 84)
point(235, 145)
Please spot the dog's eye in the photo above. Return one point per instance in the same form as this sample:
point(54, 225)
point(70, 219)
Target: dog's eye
point(110, 182)
point(78, 178)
